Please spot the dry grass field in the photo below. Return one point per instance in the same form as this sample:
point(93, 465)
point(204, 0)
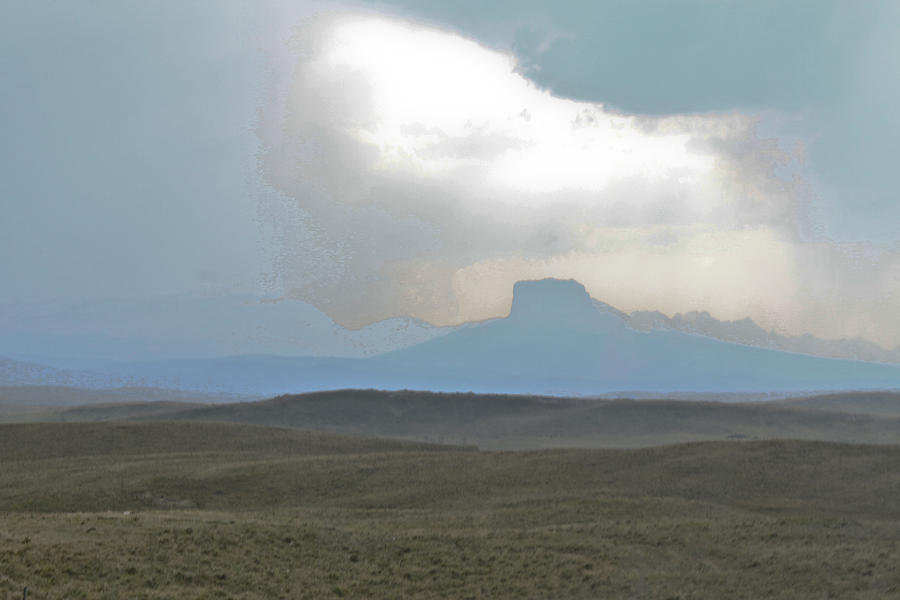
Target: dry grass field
point(206, 510)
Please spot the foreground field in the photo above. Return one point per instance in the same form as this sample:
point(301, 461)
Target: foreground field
point(197, 510)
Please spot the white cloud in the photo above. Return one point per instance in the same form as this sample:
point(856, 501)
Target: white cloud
point(429, 175)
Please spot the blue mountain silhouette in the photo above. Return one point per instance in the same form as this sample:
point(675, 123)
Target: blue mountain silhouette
point(556, 340)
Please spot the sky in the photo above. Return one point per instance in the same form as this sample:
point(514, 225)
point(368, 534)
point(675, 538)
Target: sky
point(415, 159)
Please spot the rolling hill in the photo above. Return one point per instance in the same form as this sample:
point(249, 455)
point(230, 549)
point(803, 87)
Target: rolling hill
point(509, 421)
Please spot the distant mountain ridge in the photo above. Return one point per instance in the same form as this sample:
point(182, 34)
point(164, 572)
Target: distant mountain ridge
point(23, 373)
point(164, 328)
point(556, 340)
point(746, 331)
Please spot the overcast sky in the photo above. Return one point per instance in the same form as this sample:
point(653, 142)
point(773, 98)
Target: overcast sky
point(382, 159)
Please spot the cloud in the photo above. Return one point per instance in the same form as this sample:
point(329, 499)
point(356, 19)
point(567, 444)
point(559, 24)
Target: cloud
point(422, 174)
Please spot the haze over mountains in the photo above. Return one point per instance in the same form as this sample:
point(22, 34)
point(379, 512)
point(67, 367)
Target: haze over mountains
point(165, 328)
point(746, 331)
point(556, 340)
point(170, 327)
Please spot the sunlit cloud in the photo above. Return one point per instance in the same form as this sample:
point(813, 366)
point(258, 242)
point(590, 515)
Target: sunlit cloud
point(426, 174)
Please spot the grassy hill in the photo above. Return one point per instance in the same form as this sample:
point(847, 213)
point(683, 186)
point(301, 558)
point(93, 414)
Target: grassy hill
point(522, 422)
point(114, 411)
point(28, 403)
point(519, 422)
point(184, 509)
point(50, 400)
point(881, 404)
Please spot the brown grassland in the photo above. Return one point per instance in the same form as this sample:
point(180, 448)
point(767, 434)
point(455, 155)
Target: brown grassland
point(212, 510)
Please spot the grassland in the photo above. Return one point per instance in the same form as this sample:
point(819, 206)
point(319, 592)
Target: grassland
point(207, 510)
